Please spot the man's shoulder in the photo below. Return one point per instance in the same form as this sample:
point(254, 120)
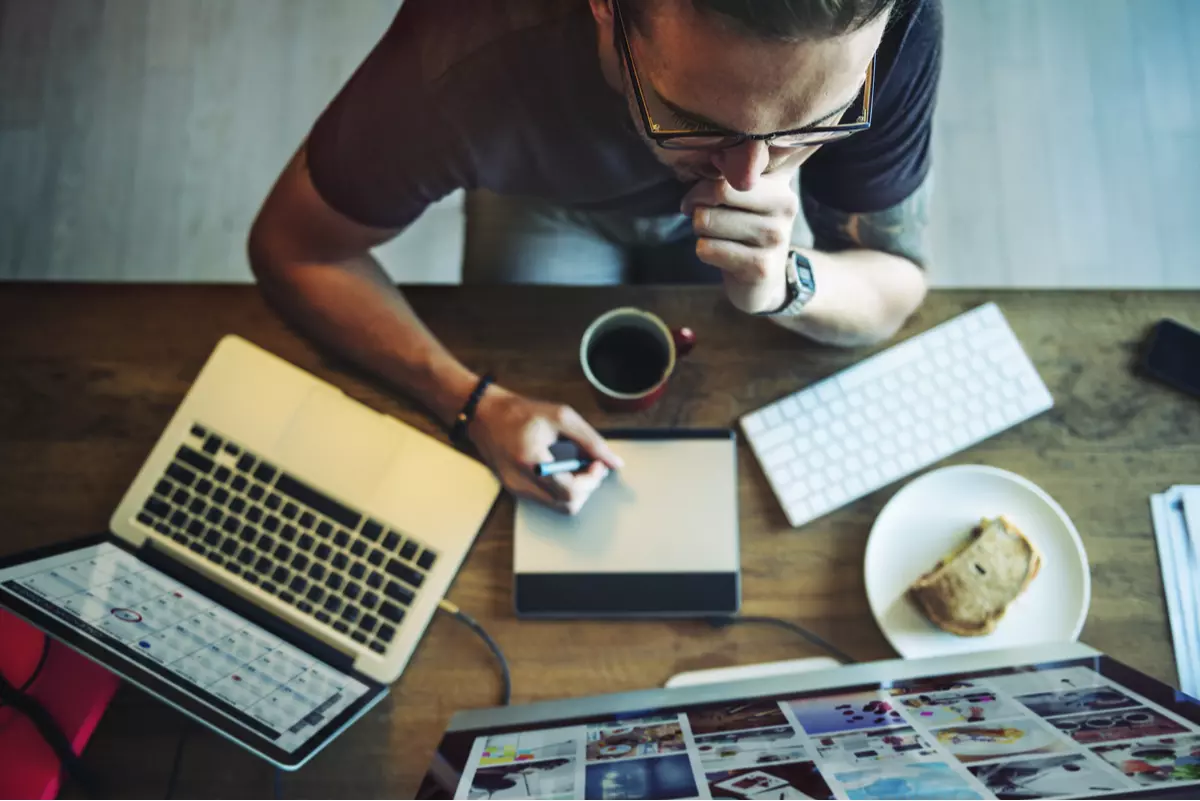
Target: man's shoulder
point(454, 33)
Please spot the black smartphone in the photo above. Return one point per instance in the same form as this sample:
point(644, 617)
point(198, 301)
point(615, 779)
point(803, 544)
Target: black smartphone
point(1172, 355)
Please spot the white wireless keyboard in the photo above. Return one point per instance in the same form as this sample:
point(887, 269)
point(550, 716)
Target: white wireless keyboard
point(895, 413)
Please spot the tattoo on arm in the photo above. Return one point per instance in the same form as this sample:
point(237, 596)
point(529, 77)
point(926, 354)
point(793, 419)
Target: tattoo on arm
point(901, 230)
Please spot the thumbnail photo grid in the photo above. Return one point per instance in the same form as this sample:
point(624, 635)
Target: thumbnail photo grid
point(1062, 733)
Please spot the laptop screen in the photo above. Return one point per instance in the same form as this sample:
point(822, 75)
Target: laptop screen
point(125, 612)
point(1087, 728)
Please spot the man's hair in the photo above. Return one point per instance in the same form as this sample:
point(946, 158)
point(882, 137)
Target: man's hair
point(778, 20)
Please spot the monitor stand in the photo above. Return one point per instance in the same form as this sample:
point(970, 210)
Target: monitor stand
point(764, 670)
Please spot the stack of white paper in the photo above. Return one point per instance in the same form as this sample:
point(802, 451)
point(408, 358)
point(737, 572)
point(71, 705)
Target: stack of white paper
point(1176, 515)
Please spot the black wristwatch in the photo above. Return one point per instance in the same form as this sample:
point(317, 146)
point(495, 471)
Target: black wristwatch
point(801, 286)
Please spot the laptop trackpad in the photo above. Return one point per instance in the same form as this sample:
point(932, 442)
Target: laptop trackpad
point(338, 444)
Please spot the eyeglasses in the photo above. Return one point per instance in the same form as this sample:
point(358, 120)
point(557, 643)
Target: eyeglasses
point(713, 139)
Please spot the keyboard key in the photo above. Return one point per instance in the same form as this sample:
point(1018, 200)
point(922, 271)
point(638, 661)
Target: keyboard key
point(306, 542)
point(351, 591)
point(256, 492)
point(239, 483)
point(263, 565)
point(404, 572)
point(163, 487)
point(391, 541)
point(273, 501)
point(283, 553)
point(255, 515)
point(265, 473)
point(324, 529)
point(399, 592)
point(340, 561)
point(246, 555)
point(248, 534)
point(198, 548)
point(350, 614)
point(268, 588)
point(157, 507)
point(193, 459)
point(204, 486)
point(279, 574)
point(286, 596)
point(196, 528)
point(376, 558)
point(370, 600)
point(216, 558)
point(378, 647)
point(375, 580)
point(299, 584)
point(308, 520)
point(426, 560)
point(197, 506)
point(232, 449)
point(290, 510)
point(323, 551)
point(266, 542)
point(323, 616)
point(178, 519)
point(271, 523)
point(367, 623)
point(340, 626)
point(235, 569)
point(310, 497)
point(315, 594)
point(182, 540)
point(245, 463)
point(229, 547)
point(372, 530)
point(334, 582)
point(392, 613)
point(220, 497)
point(199, 431)
point(145, 519)
point(358, 548)
point(358, 570)
point(386, 632)
point(180, 497)
point(222, 474)
point(231, 525)
point(300, 561)
point(409, 550)
point(342, 539)
point(237, 505)
point(305, 607)
point(288, 533)
point(333, 603)
point(317, 571)
point(358, 636)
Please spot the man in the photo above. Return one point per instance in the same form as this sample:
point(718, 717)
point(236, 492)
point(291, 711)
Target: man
point(608, 133)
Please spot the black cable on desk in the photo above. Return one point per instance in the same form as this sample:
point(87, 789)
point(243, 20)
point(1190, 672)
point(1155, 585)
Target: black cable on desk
point(471, 623)
point(820, 642)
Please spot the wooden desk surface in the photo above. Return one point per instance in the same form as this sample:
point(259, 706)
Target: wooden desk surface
point(89, 375)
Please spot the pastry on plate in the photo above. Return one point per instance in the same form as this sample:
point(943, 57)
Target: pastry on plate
point(968, 592)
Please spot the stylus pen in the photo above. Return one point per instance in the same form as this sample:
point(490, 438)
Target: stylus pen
point(565, 466)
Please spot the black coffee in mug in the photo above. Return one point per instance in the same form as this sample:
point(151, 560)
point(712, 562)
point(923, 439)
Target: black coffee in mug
point(628, 359)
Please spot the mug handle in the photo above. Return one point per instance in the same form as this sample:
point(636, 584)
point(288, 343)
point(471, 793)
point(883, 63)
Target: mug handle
point(685, 340)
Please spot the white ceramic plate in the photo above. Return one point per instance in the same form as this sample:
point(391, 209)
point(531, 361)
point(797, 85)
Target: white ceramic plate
point(925, 520)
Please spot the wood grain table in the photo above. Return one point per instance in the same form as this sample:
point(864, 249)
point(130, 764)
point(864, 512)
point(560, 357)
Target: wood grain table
point(89, 375)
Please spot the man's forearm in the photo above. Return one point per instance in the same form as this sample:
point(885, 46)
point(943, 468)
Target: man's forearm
point(353, 309)
point(863, 297)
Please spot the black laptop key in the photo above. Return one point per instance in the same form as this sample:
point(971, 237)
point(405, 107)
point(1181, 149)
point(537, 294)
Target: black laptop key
point(233, 568)
point(358, 570)
point(392, 613)
point(266, 543)
point(255, 515)
point(283, 553)
point(212, 537)
point(182, 540)
point(318, 500)
point(157, 507)
point(378, 647)
point(231, 525)
point(271, 523)
point(371, 530)
point(268, 587)
point(286, 596)
point(204, 486)
point(404, 572)
point(216, 558)
point(248, 534)
point(305, 543)
point(163, 528)
point(279, 574)
point(239, 483)
point(229, 547)
point(163, 487)
point(221, 496)
point(426, 559)
point(386, 632)
point(145, 519)
point(342, 538)
point(263, 564)
point(194, 459)
point(304, 606)
point(212, 444)
point(246, 555)
point(375, 580)
point(409, 550)
point(340, 626)
point(256, 492)
point(265, 472)
point(367, 623)
point(397, 591)
point(333, 603)
point(290, 510)
point(340, 561)
point(359, 548)
point(231, 449)
point(199, 431)
point(250, 577)
point(350, 614)
point(300, 561)
point(308, 520)
point(197, 506)
point(317, 571)
point(351, 591)
point(222, 474)
point(245, 463)
point(376, 558)
point(324, 529)
point(288, 533)
point(298, 584)
point(323, 551)
point(196, 528)
point(334, 582)
point(198, 548)
point(214, 515)
point(315, 594)
point(181, 474)
point(273, 501)
point(391, 541)
point(237, 505)
point(178, 519)
point(358, 636)
point(323, 617)
point(370, 600)
point(180, 497)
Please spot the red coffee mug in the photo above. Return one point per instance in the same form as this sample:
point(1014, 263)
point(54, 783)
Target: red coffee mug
point(676, 343)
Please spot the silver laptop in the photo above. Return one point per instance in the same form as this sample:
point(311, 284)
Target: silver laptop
point(278, 530)
point(1053, 721)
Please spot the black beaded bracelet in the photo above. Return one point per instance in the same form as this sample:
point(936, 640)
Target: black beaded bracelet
point(458, 432)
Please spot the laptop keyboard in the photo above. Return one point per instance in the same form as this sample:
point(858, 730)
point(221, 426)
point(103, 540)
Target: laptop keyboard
point(290, 540)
